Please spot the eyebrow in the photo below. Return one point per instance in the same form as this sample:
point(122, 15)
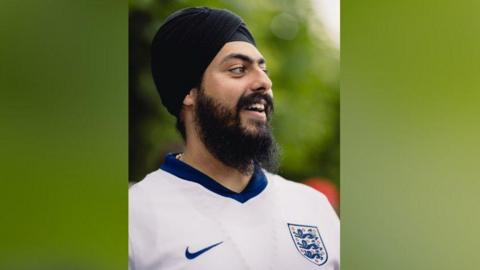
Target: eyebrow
point(243, 57)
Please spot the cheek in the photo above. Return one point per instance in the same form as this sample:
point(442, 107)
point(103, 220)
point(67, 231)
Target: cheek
point(225, 90)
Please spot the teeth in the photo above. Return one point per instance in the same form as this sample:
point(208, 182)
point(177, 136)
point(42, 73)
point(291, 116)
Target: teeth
point(258, 107)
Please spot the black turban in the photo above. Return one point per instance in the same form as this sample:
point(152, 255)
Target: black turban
point(185, 45)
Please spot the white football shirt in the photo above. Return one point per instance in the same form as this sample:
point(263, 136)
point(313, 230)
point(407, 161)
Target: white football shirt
point(180, 218)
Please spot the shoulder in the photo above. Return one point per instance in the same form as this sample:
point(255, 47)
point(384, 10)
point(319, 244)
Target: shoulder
point(292, 188)
point(300, 201)
point(156, 188)
point(156, 181)
point(156, 197)
point(294, 194)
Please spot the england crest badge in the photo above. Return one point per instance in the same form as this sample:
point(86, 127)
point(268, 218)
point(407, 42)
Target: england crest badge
point(309, 243)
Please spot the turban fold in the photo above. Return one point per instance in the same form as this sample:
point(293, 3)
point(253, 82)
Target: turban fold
point(185, 45)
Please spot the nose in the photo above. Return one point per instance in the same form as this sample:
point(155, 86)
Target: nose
point(261, 81)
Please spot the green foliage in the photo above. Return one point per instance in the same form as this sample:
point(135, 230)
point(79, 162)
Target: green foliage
point(303, 67)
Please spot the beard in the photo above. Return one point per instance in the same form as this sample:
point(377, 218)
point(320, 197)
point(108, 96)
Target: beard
point(222, 133)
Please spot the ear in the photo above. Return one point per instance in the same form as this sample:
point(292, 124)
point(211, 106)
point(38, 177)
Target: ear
point(190, 98)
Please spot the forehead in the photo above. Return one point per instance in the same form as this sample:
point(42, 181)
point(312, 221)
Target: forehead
point(237, 47)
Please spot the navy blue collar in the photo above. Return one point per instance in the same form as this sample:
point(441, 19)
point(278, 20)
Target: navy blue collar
point(257, 183)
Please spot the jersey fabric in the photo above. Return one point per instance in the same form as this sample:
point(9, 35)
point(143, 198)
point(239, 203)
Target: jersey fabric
point(179, 218)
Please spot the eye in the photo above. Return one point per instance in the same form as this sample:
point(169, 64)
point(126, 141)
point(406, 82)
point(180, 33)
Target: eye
point(264, 68)
point(237, 70)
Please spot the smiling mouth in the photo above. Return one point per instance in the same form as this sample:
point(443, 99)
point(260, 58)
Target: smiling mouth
point(257, 111)
point(257, 107)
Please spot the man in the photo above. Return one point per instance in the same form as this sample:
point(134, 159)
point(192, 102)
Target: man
point(213, 206)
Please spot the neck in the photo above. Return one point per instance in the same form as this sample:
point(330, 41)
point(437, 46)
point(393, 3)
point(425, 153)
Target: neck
point(198, 156)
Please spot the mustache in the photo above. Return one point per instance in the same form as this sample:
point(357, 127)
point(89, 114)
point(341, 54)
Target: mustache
point(245, 101)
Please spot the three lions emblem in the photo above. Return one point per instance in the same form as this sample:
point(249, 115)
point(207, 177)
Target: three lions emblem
point(309, 243)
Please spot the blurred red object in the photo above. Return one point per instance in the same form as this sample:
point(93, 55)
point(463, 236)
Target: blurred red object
point(326, 187)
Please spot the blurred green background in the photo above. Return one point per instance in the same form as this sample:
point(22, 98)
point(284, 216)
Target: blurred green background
point(409, 120)
point(410, 158)
point(304, 66)
point(63, 134)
